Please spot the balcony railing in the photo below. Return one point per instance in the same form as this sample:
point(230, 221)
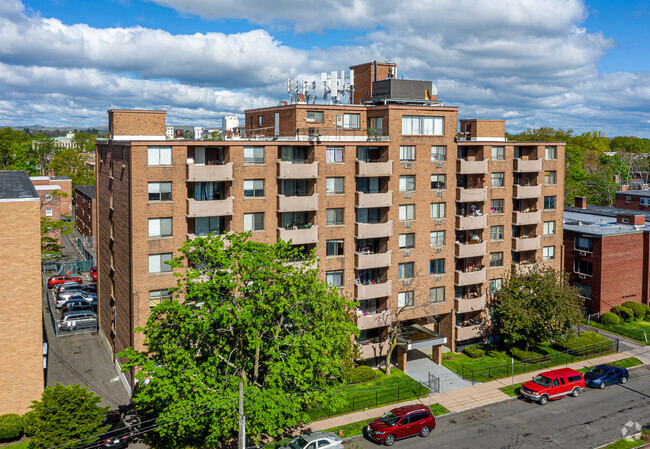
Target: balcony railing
point(469, 167)
point(469, 304)
point(526, 218)
point(371, 291)
point(471, 249)
point(209, 208)
point(366, 200)
point(466, 195)
point(370, 350)
point(526, 244)
point(527, 191)
point(299, 236)
point(288, 170)
point(208, 173)
point(372, 169)
point(379, 319)
point(364, 260)
point(469, 277)
point(373, 230)
point(297, 203)
point(472, 331)
point(527, 165)
point(473, 222)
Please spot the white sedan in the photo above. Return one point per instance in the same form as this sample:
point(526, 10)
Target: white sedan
point(315, 440)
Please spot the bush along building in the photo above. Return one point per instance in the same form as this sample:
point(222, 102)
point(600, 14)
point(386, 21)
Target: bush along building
point(416, 221)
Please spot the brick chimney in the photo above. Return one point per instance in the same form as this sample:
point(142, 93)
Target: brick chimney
point(580, 202)
point(50, 172)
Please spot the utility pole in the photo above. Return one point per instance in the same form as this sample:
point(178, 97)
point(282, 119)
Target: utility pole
point(242, 418)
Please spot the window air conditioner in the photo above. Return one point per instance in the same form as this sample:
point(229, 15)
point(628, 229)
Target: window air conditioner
point(407, 224)
point(582, 276)
point(407, 195)
point(438, 193)
point(438, 250)
point(339, 121)
point(438, 278)
point(582, 253)
point(439, 165)
point(407, 253)
point(408, 165)
point(438, 222)
point(407, 282)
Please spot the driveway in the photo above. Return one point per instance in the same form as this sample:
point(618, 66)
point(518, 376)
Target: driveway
point(419, 366)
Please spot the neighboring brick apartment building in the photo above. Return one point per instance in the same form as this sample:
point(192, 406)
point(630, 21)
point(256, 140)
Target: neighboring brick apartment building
point(633, 199)
point(400, 213)
point(21, 331)
point(607, 254)
point(54, 205)
point(85, 212)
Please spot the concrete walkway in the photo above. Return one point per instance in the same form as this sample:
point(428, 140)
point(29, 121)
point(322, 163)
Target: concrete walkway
point(419, 366)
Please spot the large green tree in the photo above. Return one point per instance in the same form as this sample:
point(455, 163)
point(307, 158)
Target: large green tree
point(249, 315)
point(536, 306)
point(17, 152)
point(73, 165)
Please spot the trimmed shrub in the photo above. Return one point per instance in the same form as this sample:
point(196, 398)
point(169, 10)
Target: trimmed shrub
point(359, 374)
point(522, 354)
point(610, 318)
point(28, 423)
point(636, 307)
point(11, 427)
point(623, 312)
point(474, 352)
point(586, 342)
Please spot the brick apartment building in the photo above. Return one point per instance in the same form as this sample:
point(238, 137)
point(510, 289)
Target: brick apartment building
point(55, 193)
point(21, 332)
point(85, 212)
point(607, 254)
point(633, 199)
point(402, 213)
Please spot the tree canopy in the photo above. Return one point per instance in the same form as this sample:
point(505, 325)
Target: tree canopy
point(73, 165)
point(249, 314)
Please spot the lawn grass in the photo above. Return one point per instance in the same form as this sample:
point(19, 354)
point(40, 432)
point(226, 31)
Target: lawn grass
point(21, 445)
point(632, 330)
point(627, 363)
point(512, 391)
point(625, 444)
point(438, 410)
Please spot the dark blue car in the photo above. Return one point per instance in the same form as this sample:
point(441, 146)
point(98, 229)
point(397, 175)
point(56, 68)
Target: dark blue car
point(603, 375)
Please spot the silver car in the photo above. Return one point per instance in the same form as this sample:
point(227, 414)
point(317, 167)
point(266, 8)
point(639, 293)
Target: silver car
point(81, 319)
point(62, 298)
point(315, 440)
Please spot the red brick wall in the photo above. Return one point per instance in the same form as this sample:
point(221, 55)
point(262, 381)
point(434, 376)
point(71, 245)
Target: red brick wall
point(136, 123)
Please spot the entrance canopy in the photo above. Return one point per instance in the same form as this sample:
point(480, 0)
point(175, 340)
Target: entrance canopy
point(415, 336)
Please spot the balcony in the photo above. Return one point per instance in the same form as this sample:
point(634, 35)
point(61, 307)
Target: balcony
point(527, 191)
point(469, 277)
point(297, 203)
point(530, 165)
point(372, 169)
point(471, 249)
point(299, 236)
point(472, 331)
point(523, 267)
point(470, 304)
point(526, 218)
point(371, 291)
point(207, 173)
point(288, 170)
point(469, 195)
point(210, 208)
point(365, 261)
point(365, 200)
point(379, 319)
point(526, 244)
point(370, 350)
point(373, 230)
point(467, 223)
point(468, 167)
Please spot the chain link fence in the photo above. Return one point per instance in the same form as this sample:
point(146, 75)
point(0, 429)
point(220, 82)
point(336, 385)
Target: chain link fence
point(61, 326)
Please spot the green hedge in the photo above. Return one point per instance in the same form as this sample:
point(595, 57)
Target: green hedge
point(28, 423)
point(11, 427)
point(636, 307)
point(610, 318)
point(623, 312)
point(597, 341)
point(359, 374)
point(521, 354)
point(474, 352)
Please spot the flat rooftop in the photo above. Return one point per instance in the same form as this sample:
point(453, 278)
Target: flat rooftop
point(16, 186)
point(599, 224)
point(89, 191)
point(634, 192)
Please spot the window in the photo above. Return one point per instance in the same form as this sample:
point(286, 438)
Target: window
point(407, 153)
point(334, 217)
point(436, 294)
point(334, 155)
point(406, 183)
point(550, 178)
point(496, 259)
point(628, 199)
point(260, 120)
point(158, 296)
point(334, 247)
point(413, 125)
point(548, 253)
point(406, 241)
point(495, 285)
point(254, 221)
point(437, 210)
point(315, 116)
point(496, 232)
point(160, 227)
point(48, 197)
point(351, 121)
point(253, 188)
point(438, 153)
point(497, 179)
point(208, 225)
point(157, 263)
point(159, 155)
point(48, 212)
point(549, 228)
point(368, 215)
point(438, 182)
point(334, 186)
point(160, 191)
point(582, 289)
point(550, 153)
point(407, 212)
point(496, 206)
point(583, 244)
point(405, 270)
point(498, 153)
point(437, 238)
point(644, 201)
point(405, 299)
point(254, 155)
point(549, 202)
point(582, 267)
point(376, 123)
point(334, 278)
point(437, 266)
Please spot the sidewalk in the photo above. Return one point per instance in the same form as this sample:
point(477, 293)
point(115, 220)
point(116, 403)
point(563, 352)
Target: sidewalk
point(476, 395)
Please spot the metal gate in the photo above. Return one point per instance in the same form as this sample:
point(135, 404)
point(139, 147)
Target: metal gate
point(433, 384)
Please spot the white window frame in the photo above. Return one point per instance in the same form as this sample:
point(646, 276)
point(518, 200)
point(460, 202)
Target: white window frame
point(437, 238)
point(48, 212)
point(157, 263)
point(406, 299)
point(498, 179)
point(436, 295)
point(335, 155)
point(406, 270)
point(403, 241)
point(549, 228)
point(158, 296)
point(253, 155)
point(159, 156)
point(550, 153)
point(496, 257)
point(494, 285)
point(417, 125)
point(407, 153)
point(335, 278)
point(550, 178)
point(335, 185)
point(335, 213)
point(438, 153)
point(498, 153)
point(496, 230)
point(438, 210)
point(351, 121)
point(313, 116)
point(548, 253)
point(156, 188)
point(436, 178)
point(159, 225)
point(406, 212)
point(254, 186)
point(407, 183)
point(251, 221)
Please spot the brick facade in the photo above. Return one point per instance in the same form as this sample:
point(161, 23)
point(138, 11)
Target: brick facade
point(135, 123)
point(85, 211)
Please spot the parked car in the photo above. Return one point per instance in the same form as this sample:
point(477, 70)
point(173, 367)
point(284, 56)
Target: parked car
point(553, 385)
point(78, 304)
point(79, 319)
point(602, 375)
point(62, 298)
point(401, 422)
point(67, 284)
point(54, 280)
point(65, 287)
point(315, 440)
point(117, 435)
point(93, 272)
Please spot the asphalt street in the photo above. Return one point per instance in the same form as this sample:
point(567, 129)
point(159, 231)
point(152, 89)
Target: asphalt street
point(592, 419)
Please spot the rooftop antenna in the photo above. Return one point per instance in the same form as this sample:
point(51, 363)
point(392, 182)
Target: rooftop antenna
point(336, 87)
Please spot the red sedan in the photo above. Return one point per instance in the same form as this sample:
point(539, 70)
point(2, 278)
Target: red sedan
point(93, 272)
point(54, 280)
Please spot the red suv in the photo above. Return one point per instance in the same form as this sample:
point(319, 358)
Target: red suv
point(402, 422)
point(553, 385)
point(51, 282)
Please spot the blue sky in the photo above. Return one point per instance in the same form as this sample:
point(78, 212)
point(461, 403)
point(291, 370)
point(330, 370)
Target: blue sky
point(559, 63)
